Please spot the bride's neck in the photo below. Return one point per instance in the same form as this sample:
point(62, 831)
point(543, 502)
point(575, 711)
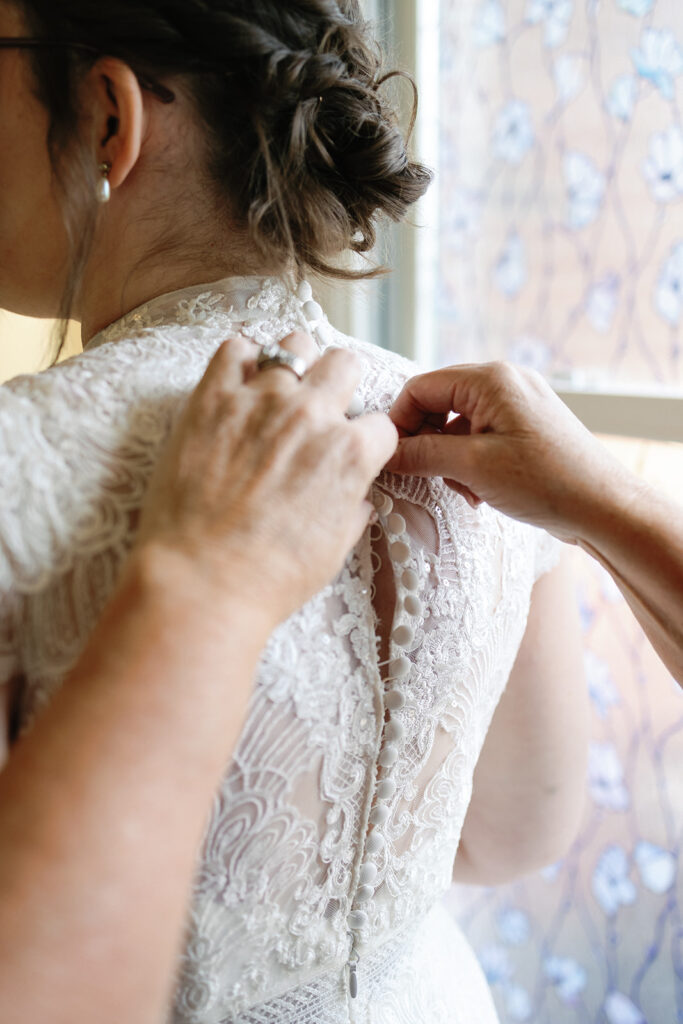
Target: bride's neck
point(126, 270)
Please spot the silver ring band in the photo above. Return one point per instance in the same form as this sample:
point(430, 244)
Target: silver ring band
point(276, 355)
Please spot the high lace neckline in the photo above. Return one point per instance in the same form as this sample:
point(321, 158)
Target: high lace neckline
point(242, 298)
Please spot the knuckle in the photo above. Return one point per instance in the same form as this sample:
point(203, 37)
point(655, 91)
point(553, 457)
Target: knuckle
point(502, 370)
point(301, 344)
point(349, 445)
point(304, 412)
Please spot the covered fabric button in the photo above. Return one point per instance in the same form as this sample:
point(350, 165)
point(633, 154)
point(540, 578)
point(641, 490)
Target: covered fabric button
point(304, 292)
point(394, 731)
point(375, 842)
point(386, 789)
point(412, 604)
point(388, 755)
point(410, 579)
point(357, 919)
point(364, 893)
point(399, 551)
point(403, 636)
point(382, 503)
point(313, 310)
point(396, 523)
point(356, 407)
point(395, 700)
point(325, 334)
point(399, 667)
point(379, 814)
point(367, 874)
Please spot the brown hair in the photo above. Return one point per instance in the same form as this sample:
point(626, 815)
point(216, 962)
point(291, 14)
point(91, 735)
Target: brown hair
point(302, 143)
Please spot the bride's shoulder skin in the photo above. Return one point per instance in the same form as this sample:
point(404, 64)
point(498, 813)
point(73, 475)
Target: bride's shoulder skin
point(161, 229)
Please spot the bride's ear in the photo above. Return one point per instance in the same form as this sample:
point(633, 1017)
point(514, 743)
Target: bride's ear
point(118, 112)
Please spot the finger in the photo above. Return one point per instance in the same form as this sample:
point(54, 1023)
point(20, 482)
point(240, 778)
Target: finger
point(437, 455)
point(227, 367)
point(277, 377)
point(470, 497)
point(452, 389)
point(223, 376)
point(337, 373)
point(379, 438)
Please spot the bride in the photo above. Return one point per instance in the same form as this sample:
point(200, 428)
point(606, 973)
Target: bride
point(170, 172)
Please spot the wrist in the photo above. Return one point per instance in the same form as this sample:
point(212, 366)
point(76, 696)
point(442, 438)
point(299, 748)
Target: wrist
point(173, 583)
point(615, 511)
point(600, 490)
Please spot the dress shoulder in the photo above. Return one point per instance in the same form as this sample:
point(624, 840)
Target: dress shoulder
point(385, 375)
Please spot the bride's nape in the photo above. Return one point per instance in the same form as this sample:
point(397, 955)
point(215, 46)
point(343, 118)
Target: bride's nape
point(238, 140)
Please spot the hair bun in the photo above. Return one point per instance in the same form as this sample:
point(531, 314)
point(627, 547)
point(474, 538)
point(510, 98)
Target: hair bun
point(323, 147)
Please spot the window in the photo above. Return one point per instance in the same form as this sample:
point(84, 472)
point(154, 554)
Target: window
point(554, 233)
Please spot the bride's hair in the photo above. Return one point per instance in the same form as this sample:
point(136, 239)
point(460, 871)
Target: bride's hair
point(302, 143)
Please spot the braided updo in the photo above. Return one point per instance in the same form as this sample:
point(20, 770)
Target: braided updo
point(301, 143)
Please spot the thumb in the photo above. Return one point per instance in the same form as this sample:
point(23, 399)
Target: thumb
point(442, 455)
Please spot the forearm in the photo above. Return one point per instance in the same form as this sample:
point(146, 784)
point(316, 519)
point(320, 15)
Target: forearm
point(103, 804)
point(638, 538)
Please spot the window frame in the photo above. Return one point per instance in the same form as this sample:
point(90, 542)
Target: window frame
point(388, 314)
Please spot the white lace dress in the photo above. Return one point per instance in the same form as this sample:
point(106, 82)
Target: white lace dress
point(333, 832)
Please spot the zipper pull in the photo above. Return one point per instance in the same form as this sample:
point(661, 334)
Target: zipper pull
point(353, 978)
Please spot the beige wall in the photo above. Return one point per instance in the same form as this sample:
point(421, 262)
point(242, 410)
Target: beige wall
point(27, 345)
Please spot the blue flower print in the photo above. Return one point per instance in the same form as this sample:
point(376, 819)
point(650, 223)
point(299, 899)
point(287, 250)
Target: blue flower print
point(608, 588)
point(530, 352)
point(554, 15)
point(620, 1010)
point(551, 873)
point(568, 72)
point(586, 609)
point(585, 189)
point(510, 273)
point(611, 885)
point(513, 926)
point(621, 99)
point(602, 302)
point(464, 221)
point(659, 60)
point(606, 778)
point(663, 168)
point(518, 1003)
point(513, 132)
point(488, 27)
point(603, 693)
point(656, 867)
point(636, 7)
point(496, 965)
point(567, 976)
point(669, 287)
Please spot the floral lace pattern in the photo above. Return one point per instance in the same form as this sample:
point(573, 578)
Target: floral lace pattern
point(273, 920)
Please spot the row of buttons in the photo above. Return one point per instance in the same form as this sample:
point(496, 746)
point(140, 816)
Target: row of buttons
point(403, 637)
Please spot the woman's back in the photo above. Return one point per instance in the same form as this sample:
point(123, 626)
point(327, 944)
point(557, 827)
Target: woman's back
point(333, 834)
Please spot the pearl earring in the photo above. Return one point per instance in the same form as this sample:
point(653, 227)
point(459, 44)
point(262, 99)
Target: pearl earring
point(103, 190)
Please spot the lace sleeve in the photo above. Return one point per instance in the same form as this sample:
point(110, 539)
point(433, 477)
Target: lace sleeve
point(548, 553)
point(9, 657)
point(14, 481)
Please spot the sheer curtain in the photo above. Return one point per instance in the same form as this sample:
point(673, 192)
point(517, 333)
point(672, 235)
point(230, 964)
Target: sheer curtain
point(561, 247)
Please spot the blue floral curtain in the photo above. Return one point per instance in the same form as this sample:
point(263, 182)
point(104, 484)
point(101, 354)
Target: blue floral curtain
point(562, 177)
point(561, 247)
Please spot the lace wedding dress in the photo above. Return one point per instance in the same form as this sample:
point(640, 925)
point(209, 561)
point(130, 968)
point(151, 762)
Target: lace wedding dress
point(333, 832)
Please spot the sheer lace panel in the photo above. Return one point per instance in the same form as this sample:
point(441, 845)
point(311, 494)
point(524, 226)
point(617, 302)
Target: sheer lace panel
point(333, 831)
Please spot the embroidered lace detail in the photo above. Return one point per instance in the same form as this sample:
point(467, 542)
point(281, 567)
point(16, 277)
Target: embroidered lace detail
point(280, 877)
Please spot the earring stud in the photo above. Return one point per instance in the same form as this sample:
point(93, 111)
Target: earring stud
point(103, 190)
